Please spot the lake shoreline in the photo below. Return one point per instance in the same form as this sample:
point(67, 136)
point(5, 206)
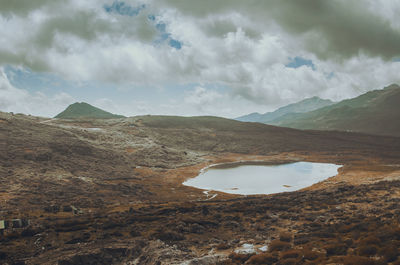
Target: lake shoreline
point(261, 177)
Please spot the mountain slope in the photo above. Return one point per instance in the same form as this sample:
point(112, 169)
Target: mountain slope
point(84, 110)
point(375, 112)
point(305, 105)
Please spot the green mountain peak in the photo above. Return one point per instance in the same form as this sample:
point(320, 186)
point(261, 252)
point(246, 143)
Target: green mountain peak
point(85, 110)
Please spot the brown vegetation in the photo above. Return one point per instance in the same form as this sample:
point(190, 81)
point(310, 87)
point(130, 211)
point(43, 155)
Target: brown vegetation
point(134, 208)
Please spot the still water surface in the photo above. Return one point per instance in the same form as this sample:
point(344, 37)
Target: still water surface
point(262, 179)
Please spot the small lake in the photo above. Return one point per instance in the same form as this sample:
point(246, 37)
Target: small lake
point(262, 179)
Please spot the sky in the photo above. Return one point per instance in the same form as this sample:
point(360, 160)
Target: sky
point(211, 57)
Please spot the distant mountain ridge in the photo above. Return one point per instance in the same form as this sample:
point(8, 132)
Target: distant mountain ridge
point(85, 110)
point(305, 105)
point(375, 112)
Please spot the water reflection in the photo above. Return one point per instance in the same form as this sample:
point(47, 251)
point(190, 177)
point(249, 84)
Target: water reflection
point(262, 179)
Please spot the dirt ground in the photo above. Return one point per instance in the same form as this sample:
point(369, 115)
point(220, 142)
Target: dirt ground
point(124, 178)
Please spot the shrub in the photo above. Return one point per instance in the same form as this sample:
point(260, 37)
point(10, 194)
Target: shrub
point(324, 234)
point(308, 254)
point(356, 260)
point(168, 236)
point(337, 249)
point(292, 253)
point(225, 262)
point(301, 239)
point(28, 232)
point(367, 251)
point(285, 237)
point(135, 233)
point(388, 233)
point(264, 258)
point(370, 240)
point(222, 246)
point(389, 253)
point(348, 241)
point(277, 245)
point(289, 262)
point(240, 257)
point(345, 228)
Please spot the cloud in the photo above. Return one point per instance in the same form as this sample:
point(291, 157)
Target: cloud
point(246, 47)
point(331, 29)
point(164, 36)
point(201, 98)
point(22, 7)
point(17, 100)
point(30, 40)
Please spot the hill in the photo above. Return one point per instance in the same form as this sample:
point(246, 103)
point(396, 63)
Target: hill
point(305, 105)
point(85, 110)
point(126, 179)
point(375, 112)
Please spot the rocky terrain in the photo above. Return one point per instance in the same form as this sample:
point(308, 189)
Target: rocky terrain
point(109, 192)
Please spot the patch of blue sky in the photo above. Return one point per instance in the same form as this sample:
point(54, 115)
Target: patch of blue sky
point(51, 84)
point(123, 9)
point(175, 44)
point(24, 78)
point(297, 62)
point(161, 27)
point(127, 94)
point(164, 36)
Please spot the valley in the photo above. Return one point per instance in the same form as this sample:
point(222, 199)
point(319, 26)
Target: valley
point(124, 179)
point(164, 132)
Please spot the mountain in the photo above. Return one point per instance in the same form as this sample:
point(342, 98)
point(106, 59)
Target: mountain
point(305, 105)
point(375, 112)
point(84, 110)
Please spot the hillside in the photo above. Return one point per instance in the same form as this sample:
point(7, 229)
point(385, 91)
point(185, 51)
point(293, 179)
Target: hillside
point(85, 110)
point(125, 182)
point(375, 112)
point(305, 105)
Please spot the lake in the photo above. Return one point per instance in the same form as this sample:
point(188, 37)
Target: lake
point(262, 179)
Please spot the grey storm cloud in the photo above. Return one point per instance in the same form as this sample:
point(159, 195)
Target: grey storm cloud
point(63, 18)
point(331, 29)
point(36, 62)
point(243, 45)
point(87, 25)
point(23, 7)
point(84, 25)
point(334, 29)
point(345, 28)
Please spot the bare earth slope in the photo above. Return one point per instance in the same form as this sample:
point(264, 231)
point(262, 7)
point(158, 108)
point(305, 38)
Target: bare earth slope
point(123, 178)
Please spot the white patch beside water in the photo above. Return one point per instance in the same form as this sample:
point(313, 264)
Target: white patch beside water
point(95, 129)
point(246, 249)
point(261, 179)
